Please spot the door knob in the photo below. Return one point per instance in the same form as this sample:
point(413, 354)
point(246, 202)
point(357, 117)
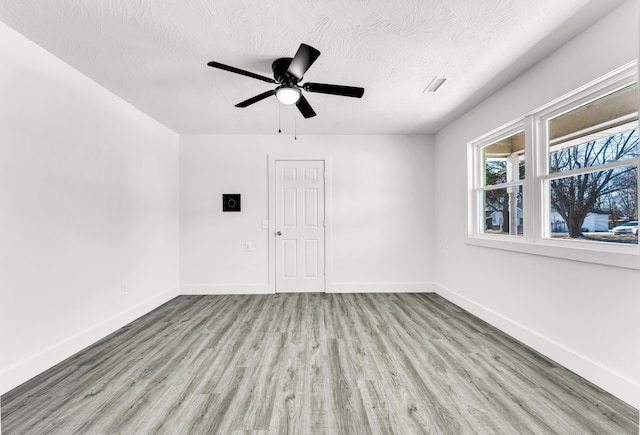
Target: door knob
point(279, 233)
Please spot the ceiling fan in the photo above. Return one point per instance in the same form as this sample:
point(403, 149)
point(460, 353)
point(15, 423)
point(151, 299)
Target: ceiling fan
point(287, 73)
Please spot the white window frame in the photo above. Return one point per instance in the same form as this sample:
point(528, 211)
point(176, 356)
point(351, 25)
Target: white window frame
point(478, 175)
point(535, 197)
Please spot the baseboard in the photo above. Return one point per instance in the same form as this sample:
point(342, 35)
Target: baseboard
point(336, 287)
point(620, 386)
point(23, 371)
point(225, 289)
point(381, 287)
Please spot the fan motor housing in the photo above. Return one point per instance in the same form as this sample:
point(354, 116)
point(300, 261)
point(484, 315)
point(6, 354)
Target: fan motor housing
point(280, 67)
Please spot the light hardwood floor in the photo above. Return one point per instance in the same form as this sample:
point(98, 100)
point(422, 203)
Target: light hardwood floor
point(311, 364)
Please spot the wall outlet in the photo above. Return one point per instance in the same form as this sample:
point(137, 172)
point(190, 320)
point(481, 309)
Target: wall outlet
point(248, 246)
point(123, 289)
point(265, 224)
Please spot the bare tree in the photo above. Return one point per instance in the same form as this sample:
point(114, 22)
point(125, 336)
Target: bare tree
point(627, 198)
point(498, 200)
point(573, 197)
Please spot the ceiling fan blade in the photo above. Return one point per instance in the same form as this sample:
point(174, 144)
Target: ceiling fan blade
point(324, 88)
point(304, 58)
point(305, 108)
point(240, 71)
point(255, 99)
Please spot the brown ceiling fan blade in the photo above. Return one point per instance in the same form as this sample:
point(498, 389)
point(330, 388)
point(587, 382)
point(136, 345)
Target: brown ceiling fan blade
point(304, 58)
point(324, 88)
point(240, 71)
point(305, 108)
point(255, 99)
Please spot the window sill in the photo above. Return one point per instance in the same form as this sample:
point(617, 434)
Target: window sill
point(616, 255)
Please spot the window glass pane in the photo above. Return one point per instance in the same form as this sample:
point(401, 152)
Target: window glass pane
point(495, 171)
point(503, 161)
point(503, 211)
point(588, 206)
point(521, 166)
point(595, 119)
point(618, 146)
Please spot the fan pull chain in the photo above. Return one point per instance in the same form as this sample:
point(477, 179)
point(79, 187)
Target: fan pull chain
point(279, 120)
point(295, 127)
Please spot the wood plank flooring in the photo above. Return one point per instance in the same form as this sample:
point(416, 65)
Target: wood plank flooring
point(311, 364)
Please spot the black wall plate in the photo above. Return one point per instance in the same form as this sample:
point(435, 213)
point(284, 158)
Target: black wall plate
point(230, 202)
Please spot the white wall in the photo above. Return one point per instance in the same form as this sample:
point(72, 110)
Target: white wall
point(584, 316)
point(88, 201)
point(381, 223)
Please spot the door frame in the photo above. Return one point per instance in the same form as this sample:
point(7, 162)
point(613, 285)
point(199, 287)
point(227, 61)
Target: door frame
point(272, 158)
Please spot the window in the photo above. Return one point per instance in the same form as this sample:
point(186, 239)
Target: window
point(578, 183)
point(591, 179)
point(500, 189)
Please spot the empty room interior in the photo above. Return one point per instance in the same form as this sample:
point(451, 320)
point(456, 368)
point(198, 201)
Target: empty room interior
point(319, 217)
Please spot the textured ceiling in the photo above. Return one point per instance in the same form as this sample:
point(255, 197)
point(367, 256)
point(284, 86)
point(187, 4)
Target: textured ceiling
point(153, 53)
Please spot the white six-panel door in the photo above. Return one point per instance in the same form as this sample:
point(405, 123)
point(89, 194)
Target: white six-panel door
point(300, 230)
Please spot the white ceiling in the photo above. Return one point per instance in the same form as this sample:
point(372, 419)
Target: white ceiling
point(153, 53)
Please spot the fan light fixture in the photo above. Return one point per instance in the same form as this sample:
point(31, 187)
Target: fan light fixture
point(288, 94)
